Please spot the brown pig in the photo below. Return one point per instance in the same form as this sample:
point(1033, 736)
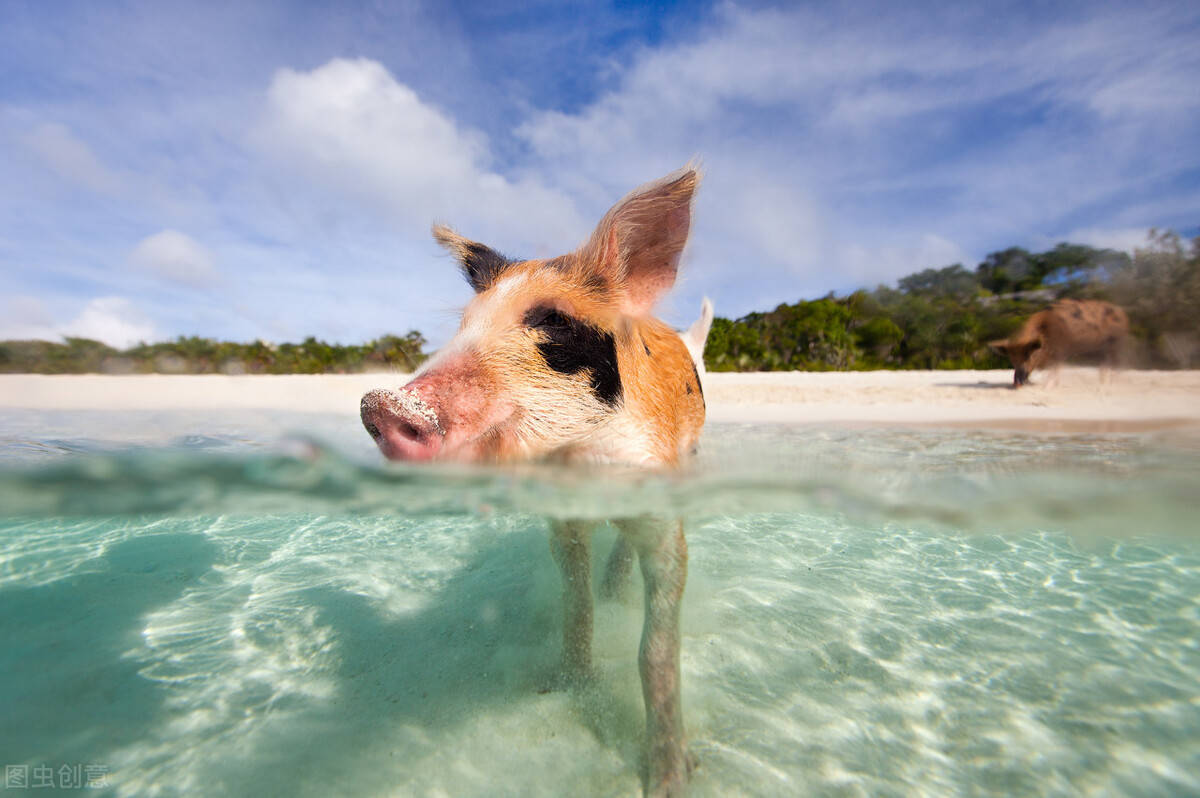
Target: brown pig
point(1069, 328)
point(560, 359)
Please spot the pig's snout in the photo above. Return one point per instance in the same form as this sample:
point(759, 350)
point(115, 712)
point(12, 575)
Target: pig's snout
point(403, 425)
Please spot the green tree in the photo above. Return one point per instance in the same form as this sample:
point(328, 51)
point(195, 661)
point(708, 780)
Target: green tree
point(952, 281)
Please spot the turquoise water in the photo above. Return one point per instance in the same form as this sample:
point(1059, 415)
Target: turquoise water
point(250, 604)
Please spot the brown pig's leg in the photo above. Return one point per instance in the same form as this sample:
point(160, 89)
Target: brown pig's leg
point(1112, 360)
point(662, 553)
point(571, 544)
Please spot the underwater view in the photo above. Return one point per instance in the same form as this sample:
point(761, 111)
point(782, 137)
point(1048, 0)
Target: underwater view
point(253, 604)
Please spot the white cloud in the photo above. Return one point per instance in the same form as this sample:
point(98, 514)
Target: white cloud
point(351, 126)
point(176, 257)
point(113, 320)
point(71, 158)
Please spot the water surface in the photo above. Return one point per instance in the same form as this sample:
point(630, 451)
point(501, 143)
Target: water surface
point(251, 604)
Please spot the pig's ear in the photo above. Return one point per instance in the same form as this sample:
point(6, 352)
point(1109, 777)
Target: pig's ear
point(480, 264)
point(999, 347)
point(637, 244)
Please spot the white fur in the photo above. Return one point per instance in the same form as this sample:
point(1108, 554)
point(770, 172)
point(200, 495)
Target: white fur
point(697, 334)
point(478, 321)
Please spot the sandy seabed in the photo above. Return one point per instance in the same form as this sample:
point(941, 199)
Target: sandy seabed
point(1080, 398)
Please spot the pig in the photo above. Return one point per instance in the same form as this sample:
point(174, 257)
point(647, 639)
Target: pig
point(561, 360)
point(1069, 328)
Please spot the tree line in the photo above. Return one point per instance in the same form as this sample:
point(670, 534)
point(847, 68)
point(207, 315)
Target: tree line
point(944, 318)
point(933, 319)
point(193, 355)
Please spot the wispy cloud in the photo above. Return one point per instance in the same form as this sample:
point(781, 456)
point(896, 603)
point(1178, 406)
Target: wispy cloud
point(71, 159)
point(863, 143)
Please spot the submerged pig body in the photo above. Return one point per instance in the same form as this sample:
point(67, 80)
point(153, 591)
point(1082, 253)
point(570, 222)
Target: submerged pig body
point(561, 360)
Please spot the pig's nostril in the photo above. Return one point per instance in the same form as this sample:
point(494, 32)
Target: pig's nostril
point(373, 431)
point(409, 431)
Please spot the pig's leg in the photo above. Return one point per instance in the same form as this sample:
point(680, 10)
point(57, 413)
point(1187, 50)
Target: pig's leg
point(662, 553)
point(571, 544)
point(616, 570)
point(1112, 360)
point(1054, 373)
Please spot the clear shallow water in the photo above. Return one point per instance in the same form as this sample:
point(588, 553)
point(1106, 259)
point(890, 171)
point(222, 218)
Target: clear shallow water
point(196, 606)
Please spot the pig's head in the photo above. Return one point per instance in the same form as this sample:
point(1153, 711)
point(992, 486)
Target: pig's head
point(1025, 354)
point(535, 365)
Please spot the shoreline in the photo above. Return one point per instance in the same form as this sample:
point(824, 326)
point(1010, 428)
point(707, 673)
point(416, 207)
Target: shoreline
point(1130, 400)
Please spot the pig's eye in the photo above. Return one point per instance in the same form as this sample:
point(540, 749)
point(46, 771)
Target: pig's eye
point(570, 346)
point(546, 318)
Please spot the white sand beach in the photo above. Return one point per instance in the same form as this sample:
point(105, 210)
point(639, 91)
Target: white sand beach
point(1080, 399)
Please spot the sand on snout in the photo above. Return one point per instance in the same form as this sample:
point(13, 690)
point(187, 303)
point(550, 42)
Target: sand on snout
point(1080, 399)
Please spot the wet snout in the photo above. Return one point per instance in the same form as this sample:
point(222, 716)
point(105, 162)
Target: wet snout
point(402, 423)
point(1020, 376)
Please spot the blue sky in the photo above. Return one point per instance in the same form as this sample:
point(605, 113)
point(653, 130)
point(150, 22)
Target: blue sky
point(271, 170)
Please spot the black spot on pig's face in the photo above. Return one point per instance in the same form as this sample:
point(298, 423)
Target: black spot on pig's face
point(570, 345)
